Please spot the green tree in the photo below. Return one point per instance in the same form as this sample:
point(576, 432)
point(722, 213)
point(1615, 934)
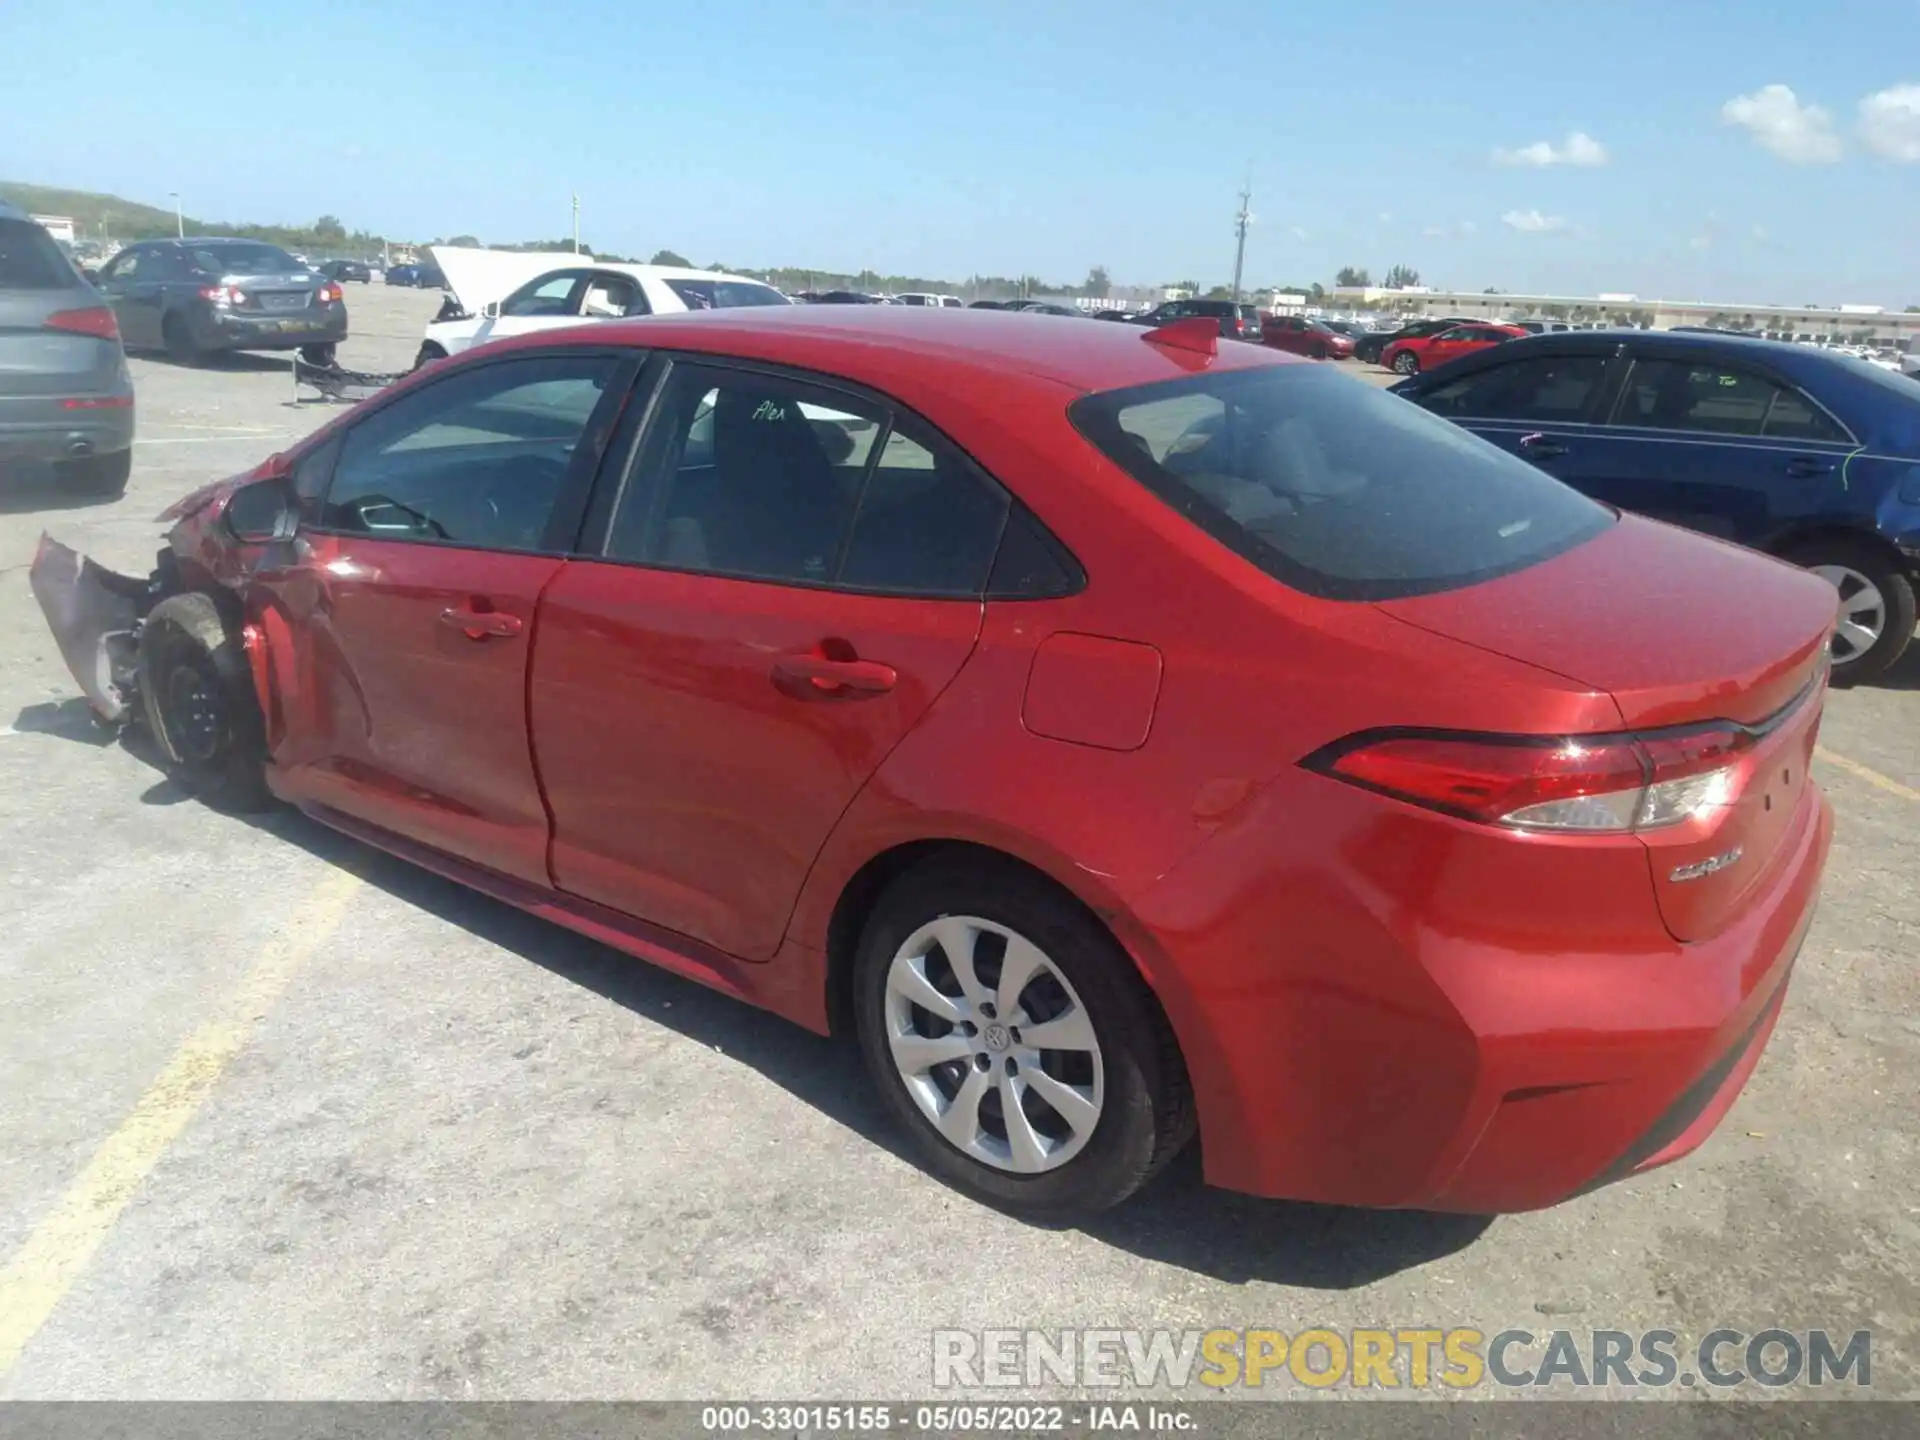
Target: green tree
point(667, 257)
point(467, 242)
point(1352, 275)
point(1316, 292)
point(329, 228)
point(1098, 285)
point(1219, 292)
point(1400, 277)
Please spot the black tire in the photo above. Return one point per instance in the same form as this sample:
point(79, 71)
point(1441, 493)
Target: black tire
point(102, 476)
point(178, 341)
point(429, 352)
point(1147, 1112)
point(197, 691)
point(322, 354)
point(1895, 584)
point(1319, 352)
point(1406, 363)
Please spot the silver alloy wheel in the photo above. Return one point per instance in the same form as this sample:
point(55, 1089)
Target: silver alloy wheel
point(993, 1044)
point(1863, 612)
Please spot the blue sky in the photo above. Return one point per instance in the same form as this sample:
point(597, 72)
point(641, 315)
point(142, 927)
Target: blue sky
point(999, 138)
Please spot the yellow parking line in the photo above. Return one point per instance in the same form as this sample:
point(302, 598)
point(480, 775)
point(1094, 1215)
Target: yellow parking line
point(1862, 772)
point(45, 1268)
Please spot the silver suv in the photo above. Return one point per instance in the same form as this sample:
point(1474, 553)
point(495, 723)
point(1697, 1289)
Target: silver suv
point(65, 394)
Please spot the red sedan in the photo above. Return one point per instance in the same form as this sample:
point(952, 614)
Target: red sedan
point(1410, 357)
point(1121, 733)
point(1299, 335)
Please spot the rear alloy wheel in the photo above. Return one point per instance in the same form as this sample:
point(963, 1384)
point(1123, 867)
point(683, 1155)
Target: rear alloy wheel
point(1016, 1042)
point(102, 476)
point(1406, 363)
point(1876, 606)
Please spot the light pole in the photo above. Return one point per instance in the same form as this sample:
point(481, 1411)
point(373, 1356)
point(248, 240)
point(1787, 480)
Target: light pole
point(1240, 224)
point(576, 224)
point(179, 224)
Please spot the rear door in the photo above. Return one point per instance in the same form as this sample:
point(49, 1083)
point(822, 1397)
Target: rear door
point(405, 613)
point(546, 302)
point(1541, 407)
point(792, 573)
point(1719, 447)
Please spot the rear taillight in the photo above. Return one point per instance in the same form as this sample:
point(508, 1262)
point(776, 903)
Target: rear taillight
point(223, 294)
point(1585, 784)
point(330, 293)
point(93, 320)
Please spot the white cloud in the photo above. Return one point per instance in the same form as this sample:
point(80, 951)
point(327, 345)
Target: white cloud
point(1467, 227)
point(1299, 232)
point(1761, 235)
point(1532, 221)
point(1579, 149)
point(1890, 122)
point(1443, 232)
point(1700, 242)
point(1773, 116)
point(1385, 217)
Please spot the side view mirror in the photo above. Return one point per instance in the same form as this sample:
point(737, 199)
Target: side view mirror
point(490, 310)
point(261, 512)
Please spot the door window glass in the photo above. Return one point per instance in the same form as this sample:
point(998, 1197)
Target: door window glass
point(550, 295)
point(1550, 389)
point(928, 523)
point(1794, 417)
point(1694, 395)
point(477, 459)
point(612, 297)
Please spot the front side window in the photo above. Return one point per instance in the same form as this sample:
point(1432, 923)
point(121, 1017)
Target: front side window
point(547, 295)
point(1333, 487)
point(1701, 396)
point(769, 479)
point(478, 458)
point(1548, 389)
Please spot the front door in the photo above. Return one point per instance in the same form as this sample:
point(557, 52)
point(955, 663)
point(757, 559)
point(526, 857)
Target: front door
point(130, 284)
point(794, 574)
point(543, 303)
point(411, 599)
point(1540, 407)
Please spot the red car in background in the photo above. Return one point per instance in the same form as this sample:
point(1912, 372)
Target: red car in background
point(1120, 734)
point(1298, 335)
point(1411, 356)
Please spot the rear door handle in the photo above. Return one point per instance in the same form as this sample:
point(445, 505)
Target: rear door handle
point(1802, 467)
point(833, 677)
point(480, 624)
point(1539, 447)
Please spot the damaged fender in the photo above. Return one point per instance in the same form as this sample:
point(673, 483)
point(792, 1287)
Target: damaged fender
point(94, 614)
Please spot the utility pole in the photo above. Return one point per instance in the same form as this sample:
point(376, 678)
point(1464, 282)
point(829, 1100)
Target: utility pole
point(1240, 224)
point(179, 224)
point(576, 223)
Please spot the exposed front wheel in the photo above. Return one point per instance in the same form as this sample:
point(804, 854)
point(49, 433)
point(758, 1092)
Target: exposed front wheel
point(1016, 1043)
point(429, 352)
point(1876, 606)
point(200, 705)
point(1406, 363)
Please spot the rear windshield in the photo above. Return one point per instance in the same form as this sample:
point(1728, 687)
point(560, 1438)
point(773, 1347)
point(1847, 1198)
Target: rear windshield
point(1334, 487)
point(244, 260)
point(29, 260)
point(724, 294)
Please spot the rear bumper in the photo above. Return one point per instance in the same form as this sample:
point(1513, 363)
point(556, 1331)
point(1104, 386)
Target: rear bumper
point(236, 330)
point(67, 427)
point(1457, 1060)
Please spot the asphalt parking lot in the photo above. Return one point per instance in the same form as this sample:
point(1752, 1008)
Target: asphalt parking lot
point(285, 1118)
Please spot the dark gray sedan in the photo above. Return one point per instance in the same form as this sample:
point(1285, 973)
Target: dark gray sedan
point(65, 395)
point(194, 296)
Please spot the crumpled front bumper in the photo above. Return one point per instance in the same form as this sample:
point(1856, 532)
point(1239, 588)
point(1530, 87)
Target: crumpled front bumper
point(95, 615)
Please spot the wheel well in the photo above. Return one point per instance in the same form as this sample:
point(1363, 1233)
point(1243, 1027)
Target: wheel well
point(1848, 534)
point(864, 890)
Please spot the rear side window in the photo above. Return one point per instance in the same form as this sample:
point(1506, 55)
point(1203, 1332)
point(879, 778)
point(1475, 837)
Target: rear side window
point(724, 294)
point(1333, 487)
point(1705, 397)
point(29, 260)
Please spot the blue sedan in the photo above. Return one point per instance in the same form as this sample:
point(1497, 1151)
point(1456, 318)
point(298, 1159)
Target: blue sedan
point(1803, 453)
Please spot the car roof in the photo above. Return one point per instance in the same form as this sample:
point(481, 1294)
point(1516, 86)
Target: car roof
point(886, 346)
point(660, 272)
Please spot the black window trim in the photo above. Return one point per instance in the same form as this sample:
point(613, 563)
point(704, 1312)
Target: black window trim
point(1634, 353)
point(618, 474)
point(1600, 404)
point(582, 468)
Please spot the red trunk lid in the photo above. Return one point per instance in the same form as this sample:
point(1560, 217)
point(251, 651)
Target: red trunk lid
point(1679, 630)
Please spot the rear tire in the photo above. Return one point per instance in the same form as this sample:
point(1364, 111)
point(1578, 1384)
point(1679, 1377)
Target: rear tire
point(197, 691)
point(1319, 352)
point(1127, 1085)
point(102, 476)
point(1876, 595)
point(1406, 363)
point(178, 341)
point(429, 352)
point(322, 355)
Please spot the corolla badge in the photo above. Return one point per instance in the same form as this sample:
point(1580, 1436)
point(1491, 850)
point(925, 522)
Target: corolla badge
point(1706, 867)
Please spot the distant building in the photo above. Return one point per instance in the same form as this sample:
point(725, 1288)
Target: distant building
point(61, 227)
point(1860, 324)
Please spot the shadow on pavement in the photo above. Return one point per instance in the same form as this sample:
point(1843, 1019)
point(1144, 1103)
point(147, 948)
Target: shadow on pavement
point(1176, 1221)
